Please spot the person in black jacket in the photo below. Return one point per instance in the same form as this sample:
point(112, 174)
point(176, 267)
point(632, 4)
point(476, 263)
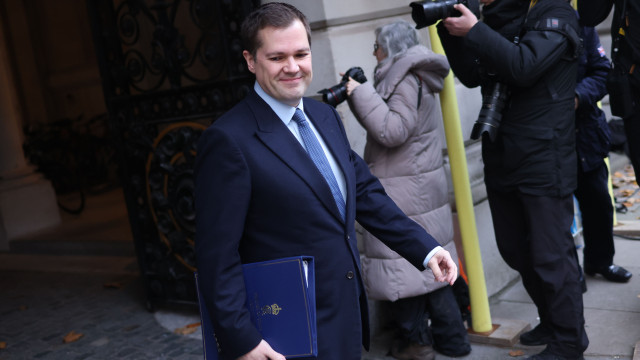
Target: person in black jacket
point(593, 139)
point(530, 165)
point(625, 27)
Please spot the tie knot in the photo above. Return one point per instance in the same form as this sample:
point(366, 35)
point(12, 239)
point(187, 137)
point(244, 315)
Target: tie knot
point(298, 117)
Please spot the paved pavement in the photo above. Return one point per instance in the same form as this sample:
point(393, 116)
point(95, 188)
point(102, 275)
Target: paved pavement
point(44, 297)
point(38, 309)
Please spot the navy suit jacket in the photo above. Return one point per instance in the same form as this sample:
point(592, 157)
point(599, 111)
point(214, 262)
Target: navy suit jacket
point(259, 196)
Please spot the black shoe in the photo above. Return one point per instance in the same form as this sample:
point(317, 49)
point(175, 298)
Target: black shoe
point(613, 273)
point(548, 355)
point(461, 350)
point(540, 335)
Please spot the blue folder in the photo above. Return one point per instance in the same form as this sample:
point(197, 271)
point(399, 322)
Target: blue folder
point(281, 303)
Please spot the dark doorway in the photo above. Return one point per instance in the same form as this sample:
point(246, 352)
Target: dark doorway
point(168, 69)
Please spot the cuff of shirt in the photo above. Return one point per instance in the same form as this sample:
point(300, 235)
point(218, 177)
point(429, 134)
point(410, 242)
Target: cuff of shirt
point(430, 255)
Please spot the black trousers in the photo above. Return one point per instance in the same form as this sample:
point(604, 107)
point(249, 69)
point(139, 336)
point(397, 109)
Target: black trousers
point(446, 333)
point(632, 132)
point(597, 216)
point(533, 234)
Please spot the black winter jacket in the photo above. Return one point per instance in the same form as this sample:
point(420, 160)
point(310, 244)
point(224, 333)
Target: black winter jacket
point(592, 130)
point(534, 152)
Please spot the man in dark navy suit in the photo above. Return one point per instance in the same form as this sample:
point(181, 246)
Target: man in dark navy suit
point(276, 177)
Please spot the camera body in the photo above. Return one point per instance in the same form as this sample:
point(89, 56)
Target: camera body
point(338, 93)
point(427, 13)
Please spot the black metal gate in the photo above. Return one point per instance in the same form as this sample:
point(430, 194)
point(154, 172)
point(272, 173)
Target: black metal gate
point(168, 68)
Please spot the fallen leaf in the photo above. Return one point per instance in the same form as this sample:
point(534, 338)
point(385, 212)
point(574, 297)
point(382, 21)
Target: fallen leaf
point(132, 327)
point(71, 337)
point(23, 307)
point(626, 192)
point(516, 353)
point(3, 345)
point(627, 204)
point(617, 174)
point(112, 285)
point(186, 330)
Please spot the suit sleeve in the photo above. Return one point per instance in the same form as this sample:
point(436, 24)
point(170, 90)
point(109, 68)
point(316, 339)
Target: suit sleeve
point(593, 12)
point(520, 65)
point(222, 196)
point(593, 86)
point(379, 215)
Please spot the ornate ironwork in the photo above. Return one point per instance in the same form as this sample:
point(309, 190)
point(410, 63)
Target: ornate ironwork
point(169, 69)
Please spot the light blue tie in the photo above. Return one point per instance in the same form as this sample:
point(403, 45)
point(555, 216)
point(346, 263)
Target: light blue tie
point(317, 155)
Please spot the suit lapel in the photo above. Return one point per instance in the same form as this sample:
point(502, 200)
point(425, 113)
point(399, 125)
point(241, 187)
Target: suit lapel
point(278, 138)
point(334, 138)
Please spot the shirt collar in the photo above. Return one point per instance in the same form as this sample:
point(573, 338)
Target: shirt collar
point(285, 112)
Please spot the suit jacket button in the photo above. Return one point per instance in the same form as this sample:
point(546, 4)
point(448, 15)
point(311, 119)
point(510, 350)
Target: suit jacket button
point(349, 275)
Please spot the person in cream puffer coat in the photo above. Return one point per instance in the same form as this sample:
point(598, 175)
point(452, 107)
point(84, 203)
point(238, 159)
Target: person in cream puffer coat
point(402, 117)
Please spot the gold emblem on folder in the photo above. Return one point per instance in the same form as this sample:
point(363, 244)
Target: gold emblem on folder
point(271, 309)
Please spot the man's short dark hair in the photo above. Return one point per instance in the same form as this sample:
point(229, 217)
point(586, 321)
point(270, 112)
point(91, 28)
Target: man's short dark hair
point(274, 14)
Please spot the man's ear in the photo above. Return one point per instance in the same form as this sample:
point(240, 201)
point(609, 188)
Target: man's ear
point(250, 61)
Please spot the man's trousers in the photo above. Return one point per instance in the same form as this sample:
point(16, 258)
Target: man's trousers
point(534, 238)
point(597, 216)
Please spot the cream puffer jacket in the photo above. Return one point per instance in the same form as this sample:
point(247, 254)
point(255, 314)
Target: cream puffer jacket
point(404, 150)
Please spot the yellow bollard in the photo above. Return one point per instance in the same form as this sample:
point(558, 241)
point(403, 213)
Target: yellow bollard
point(480, 316)
point(610, 186)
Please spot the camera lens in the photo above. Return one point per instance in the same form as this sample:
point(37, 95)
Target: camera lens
point(334, 95)
point(426, 13)
point(491, 112)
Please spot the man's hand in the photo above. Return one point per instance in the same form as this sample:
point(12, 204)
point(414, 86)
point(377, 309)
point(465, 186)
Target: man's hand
point(460, 26)
point(264, 352)
point(443, 267)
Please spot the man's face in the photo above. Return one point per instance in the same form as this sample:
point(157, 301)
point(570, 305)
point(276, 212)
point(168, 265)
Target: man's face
point(283, 63)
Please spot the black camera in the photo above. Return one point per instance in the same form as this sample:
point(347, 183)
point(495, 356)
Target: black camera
point(426, 13)
point(494, 99)
point(338, 93)
point(495, 96)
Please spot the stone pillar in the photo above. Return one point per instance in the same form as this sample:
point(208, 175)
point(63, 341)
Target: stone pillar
point(27, 200)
